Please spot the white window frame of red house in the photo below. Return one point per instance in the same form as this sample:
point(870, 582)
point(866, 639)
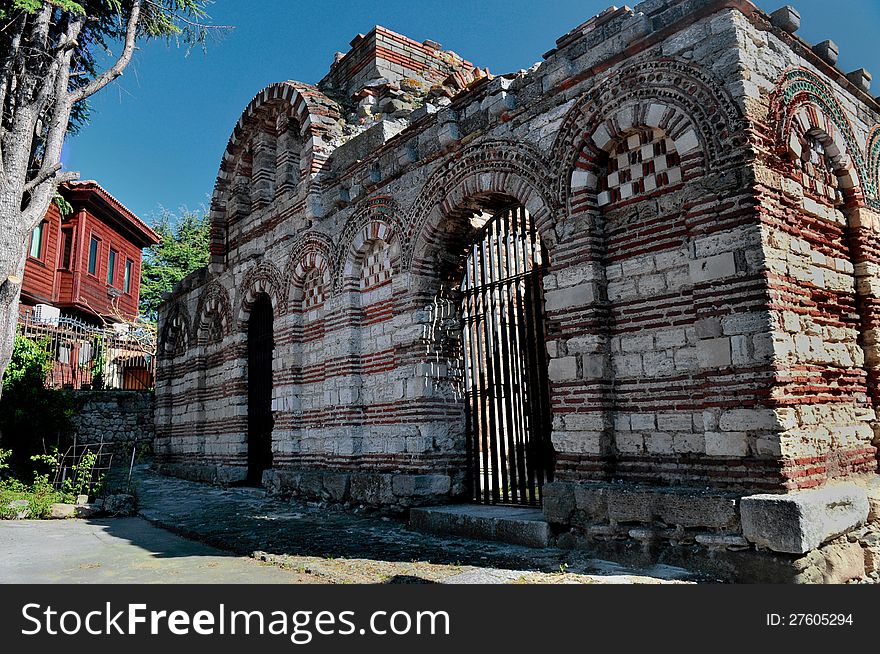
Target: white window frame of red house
point(42, 244)
point(126, 279)
point(112, 256)
point(93, 238)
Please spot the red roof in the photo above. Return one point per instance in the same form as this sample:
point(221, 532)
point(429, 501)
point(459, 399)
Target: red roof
point(150, 237)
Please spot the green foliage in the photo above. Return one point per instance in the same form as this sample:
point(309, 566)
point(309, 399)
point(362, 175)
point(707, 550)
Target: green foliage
point(81, 481)
point(105, 27)
point(64, 207)
point(185, 247)
point(159, 18)
point(29, 366)
point(42, 494)
point(30, 412)
point(98, 363)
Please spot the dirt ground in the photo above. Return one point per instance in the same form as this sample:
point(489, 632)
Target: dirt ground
point(331, 544)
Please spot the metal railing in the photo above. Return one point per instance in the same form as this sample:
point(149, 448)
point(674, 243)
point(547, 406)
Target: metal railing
point(121, 356)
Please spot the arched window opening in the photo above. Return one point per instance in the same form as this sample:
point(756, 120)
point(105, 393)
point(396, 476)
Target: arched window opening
point(175, 336)
point(264, 166)
point(817, 169)
point(288, 153)
point(239, 202)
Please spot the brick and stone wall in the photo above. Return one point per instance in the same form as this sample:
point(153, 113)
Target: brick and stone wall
point(112, 416)
point(705, 184)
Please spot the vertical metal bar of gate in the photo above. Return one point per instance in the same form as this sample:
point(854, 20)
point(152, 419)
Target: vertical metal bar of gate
point(479, 362)
point(471, 453)
point(508, 362)
point(530, 338)
point(490, 473)
point(493, 264)
point(520, 344)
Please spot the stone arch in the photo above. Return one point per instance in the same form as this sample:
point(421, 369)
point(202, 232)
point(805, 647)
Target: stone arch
point(499, 169)
point(313, 252)
point(175, 337)
point(873, 153)
point(814, 131)
point(264, 277)
point(284, 107)
point(804, 105)
point(213, 320)
point(683, 100)
point(374, 220)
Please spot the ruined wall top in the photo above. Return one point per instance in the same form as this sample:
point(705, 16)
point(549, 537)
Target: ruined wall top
point(392, 71)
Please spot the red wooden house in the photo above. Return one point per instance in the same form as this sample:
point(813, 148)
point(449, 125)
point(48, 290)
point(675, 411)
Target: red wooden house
point(87, 263)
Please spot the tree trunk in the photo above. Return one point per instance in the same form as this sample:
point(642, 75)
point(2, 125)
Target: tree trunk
point(12, 258)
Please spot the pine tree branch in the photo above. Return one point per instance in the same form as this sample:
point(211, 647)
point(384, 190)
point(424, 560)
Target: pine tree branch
point(116, 69)
point(186, 21)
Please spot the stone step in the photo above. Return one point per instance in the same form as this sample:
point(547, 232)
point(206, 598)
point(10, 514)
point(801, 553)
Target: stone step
point(508, 524)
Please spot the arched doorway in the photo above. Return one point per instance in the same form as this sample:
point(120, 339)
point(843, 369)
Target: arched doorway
point(509, 451)
point(260, 346)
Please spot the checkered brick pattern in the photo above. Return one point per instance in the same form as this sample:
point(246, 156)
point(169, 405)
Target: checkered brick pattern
point(818, 170)
point(314, 288)
point(377, 265)
point(639, 164)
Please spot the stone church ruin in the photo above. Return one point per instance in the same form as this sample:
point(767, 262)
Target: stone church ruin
point(637, 284)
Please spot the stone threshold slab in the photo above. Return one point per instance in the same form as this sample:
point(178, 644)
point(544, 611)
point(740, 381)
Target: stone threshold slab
point(506, 524)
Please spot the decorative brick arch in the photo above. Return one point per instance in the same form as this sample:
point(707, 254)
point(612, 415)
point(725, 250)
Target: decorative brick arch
point(213, 320)
point(313, 252)
point(264, 277)
point(315, 118)
point(804, 105)
point(175, 337)
point(374, 219)
point(684, 101)
point(873, 153)
point(490, 168)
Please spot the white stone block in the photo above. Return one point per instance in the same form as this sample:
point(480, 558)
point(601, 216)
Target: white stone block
point(714, 353)
point(798, 522)
point(712, 268)
point(748, 420)
point(728, 443)
point(564, 369)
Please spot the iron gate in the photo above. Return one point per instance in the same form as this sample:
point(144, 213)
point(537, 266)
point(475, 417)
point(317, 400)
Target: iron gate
point(260, 346)
point(508, 402)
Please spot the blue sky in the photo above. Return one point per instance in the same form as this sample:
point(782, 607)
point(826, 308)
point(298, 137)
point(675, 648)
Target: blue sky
point(157, 135)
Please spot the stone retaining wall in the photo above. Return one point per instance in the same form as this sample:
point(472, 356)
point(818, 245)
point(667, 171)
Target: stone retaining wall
point(112, 416)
